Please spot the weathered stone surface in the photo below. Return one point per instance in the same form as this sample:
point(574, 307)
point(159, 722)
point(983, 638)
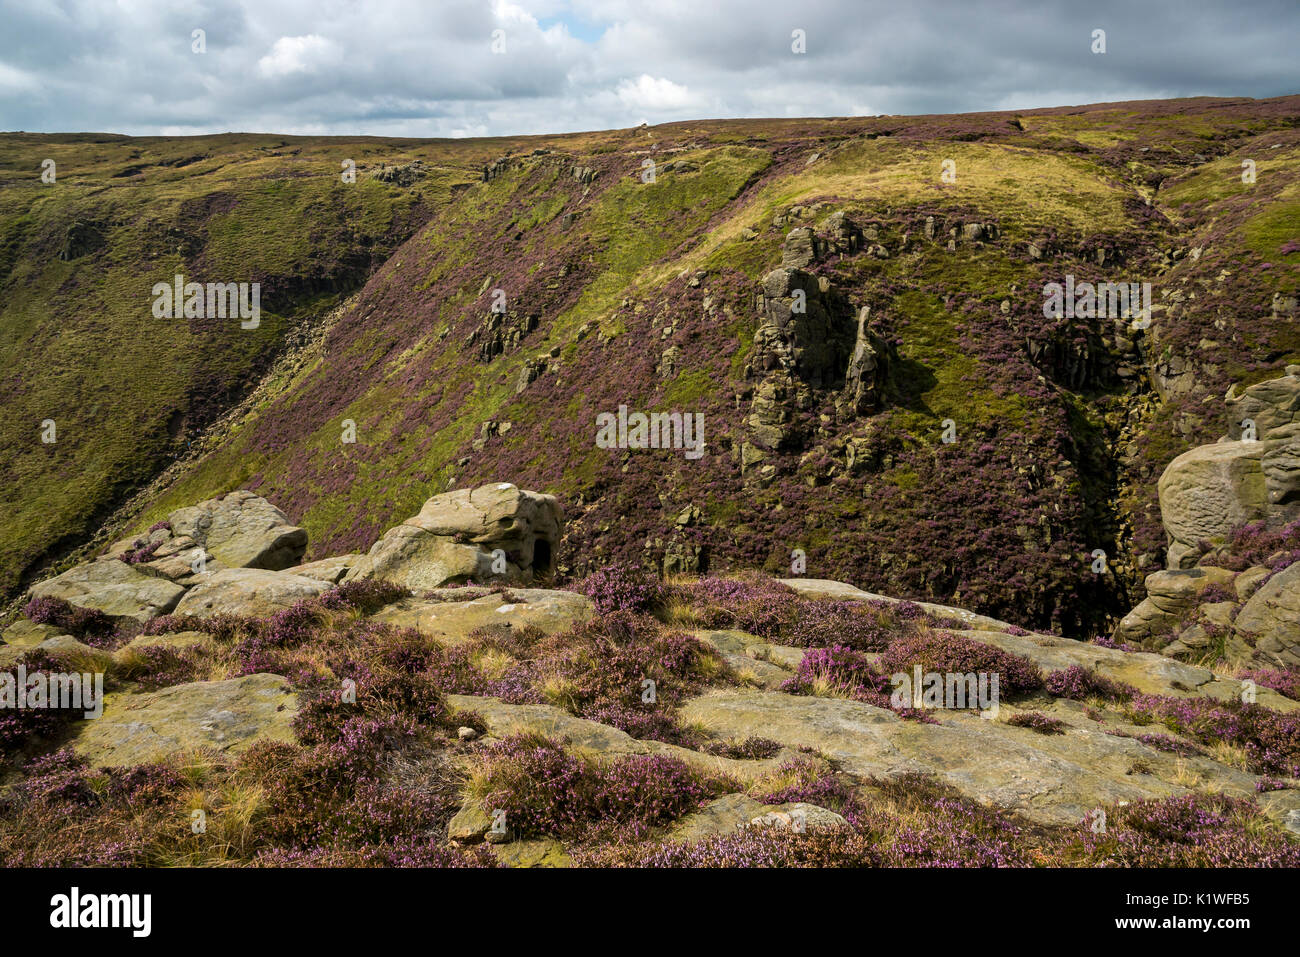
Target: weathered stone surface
point(544, 852)
point(113, 587)
point(840, 591)
point(1271, 619)
point(470, 824)
point(454, 538)
point(1248, 582)
point(175, 640)
point(734, 811)
point(79, 656)
point(765, 664)
point(721, 816)
point(868, 368)
point(228, 716)
point(253, 592)
point(414, 559)
point(1056, 779)
point(1208, 491)
point(328, 570)
point(595, 738)
point(798, 816)
point(441, 616)
point(1171, 597)
point(242, 530)
point(1281, 465)
point(1269, 404)
point(801, 248)
point(28, 634)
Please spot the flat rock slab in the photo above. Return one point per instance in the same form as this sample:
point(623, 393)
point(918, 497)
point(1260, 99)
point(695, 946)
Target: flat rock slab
point(28, 634)
point(75, 655)
point(1148, 673)
point(752, 657)
point(252, 592)
point(1051, 780)
point(176, 640)
point(115, 588)
point(544, 852)
point(600, 740)
point(840, 591)
point(453, 621)
point(329, 570)
point(228, 716)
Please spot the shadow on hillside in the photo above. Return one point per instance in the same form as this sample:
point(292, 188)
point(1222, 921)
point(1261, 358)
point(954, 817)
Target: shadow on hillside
point(909, 381)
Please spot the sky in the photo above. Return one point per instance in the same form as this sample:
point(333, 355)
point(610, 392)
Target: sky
point(502, 67)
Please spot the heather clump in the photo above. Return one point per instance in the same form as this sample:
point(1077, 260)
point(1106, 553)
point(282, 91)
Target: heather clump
point(262, 647)
point(364, 596)
point(622, 669)
point(752, 748)
point(746, 847)
point(769, 609)
point(86, 624)
point(1191, 831)
point(944, 652)
point(756, 604)
point(1256, 544)
point(353, 793)
point(381, 685)
point(158, 666)
point(810, 779)
point(909, 821)
point(64, 814)
point(140, 553)
point(1163, 742)
point(862, 626)
point(22, 727)
point(1270, 740)
point(406, 851)
point(836, 671)
point(1285, 683)
point(926, 823)
point(545, 790)
point(621, 588)
point(1037, 721)
point(1080, 684)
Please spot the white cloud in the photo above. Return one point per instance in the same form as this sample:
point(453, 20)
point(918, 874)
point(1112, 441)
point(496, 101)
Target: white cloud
point(653, 93)
point(309, 54)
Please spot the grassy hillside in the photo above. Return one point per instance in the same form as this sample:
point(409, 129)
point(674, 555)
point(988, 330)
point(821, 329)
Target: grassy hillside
point(622, 292)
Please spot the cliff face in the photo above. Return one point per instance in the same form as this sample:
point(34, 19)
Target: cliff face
point(862, 337)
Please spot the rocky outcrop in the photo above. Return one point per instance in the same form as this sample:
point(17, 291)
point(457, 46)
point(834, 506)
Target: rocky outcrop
point(864, 380)
point(113, 587)
point(1269, 404)
point(1251, 475)
point(501, 333)
point(1270, 619)
point(329, 570)
point(405, 174)
point(228, 716)
point(496, 532)
point(241, 530)
point(808, 342)
point(450, 616)
point(1207, 492)
point(1171, 597)
point(251, 592)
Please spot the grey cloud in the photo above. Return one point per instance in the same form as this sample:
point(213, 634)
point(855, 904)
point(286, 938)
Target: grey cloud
point(419, 68)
